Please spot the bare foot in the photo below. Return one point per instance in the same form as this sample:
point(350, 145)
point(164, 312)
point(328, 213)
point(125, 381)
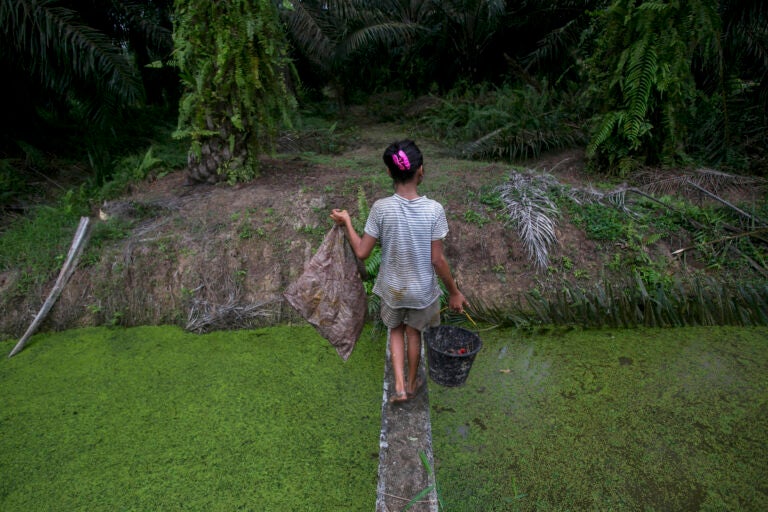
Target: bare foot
point(412, 391)
point(398, 398)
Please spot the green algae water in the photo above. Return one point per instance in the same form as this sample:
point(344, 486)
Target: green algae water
point(651, 420)
point(153, 418)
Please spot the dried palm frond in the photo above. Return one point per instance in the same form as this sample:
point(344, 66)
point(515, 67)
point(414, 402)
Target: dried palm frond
point(205, 316)
point(589, 195)
point(708, 182)
point(667, 183)
point(654, 184)
point(532, 212)
point(632, 303)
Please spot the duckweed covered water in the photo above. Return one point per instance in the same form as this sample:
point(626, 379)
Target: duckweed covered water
point(608, 420)
point(153, 418)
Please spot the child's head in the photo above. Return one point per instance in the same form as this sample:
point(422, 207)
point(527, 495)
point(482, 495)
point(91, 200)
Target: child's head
point(403, 159)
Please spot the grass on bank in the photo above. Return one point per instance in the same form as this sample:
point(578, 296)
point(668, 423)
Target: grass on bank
point(153, 418)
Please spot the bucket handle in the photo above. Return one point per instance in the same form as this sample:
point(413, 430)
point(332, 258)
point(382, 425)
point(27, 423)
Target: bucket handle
point(465, 313)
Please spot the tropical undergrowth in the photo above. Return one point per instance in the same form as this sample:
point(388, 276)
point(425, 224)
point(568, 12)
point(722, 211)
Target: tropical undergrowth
point(37, 242)
point(718, 276)
point(719, 262)
point(506, 123)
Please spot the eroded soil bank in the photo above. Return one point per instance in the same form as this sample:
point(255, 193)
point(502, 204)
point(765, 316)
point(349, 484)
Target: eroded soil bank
point(209, 257)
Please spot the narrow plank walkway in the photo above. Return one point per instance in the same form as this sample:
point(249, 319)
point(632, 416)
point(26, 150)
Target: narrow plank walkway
point(406, 431)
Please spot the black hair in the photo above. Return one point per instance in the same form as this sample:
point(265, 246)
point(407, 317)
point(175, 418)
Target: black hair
point(403, 169)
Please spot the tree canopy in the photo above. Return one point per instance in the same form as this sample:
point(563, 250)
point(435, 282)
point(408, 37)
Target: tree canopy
point(636, 82)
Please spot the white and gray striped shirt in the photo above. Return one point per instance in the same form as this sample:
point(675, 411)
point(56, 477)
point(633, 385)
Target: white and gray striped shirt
point(405, 229)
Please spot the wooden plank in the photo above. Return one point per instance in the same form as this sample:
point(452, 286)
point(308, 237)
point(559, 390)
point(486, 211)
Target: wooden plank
point(75, 251)
point(406, 432)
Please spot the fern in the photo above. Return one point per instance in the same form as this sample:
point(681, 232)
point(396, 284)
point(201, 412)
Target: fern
point(373, 262)
point(648, 49)
point(639, 83)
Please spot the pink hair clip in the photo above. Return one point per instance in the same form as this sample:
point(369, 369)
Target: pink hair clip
point(401, 160)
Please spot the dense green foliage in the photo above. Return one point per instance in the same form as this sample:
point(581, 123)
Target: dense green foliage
point(69, 48)
point(667, 84)
point(78, 66)
point(231, 56)
point(674, 84)
point(506, 123)
point(359, 48)
point(642, 68)
point(679, 84)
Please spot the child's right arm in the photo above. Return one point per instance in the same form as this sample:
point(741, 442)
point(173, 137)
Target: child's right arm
point(456, 299)
point(362, 247)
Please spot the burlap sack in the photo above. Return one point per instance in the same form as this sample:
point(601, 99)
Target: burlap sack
point(330, 294)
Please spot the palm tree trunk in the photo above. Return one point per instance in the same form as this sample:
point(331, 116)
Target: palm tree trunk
point(216, 156)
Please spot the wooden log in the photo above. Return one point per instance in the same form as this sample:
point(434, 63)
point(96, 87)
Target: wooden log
point(406, 434)
point(75, 251)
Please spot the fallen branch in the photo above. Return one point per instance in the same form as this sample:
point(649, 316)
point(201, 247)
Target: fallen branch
point(726, 203)
point(75, 251)
point(725, 239)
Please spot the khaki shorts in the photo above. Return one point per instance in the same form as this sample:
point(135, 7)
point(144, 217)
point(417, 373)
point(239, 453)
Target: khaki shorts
point(419, 319)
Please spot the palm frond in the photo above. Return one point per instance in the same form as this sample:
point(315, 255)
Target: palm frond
point(60, 49)
point(631, 303)
point(557, 44)
point(532, 212)
point(312, 31)
point(146, 21)
point(388, 35)
point(714, 181)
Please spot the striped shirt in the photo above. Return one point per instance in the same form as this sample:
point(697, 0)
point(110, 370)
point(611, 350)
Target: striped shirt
point(405, 229)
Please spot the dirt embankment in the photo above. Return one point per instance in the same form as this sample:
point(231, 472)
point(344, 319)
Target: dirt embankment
point(219, 256)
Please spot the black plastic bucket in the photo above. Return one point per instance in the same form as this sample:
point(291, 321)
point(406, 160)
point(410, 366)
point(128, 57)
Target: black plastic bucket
point(451, 351)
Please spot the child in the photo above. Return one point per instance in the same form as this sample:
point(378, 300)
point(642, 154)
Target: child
point(411, 229)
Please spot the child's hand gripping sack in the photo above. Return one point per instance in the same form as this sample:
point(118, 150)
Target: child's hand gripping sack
point(330, 294)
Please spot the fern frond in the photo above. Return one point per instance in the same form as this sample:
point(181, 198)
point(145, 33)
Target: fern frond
point(639, 82)
point(608, 123)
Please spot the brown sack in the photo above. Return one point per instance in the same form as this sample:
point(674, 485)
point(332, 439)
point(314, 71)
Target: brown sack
point(330, 294)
